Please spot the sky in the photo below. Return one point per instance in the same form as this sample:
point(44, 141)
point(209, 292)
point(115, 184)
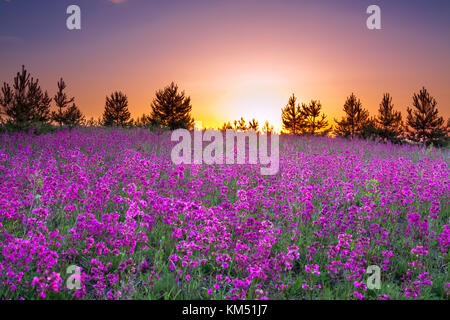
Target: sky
point(234, 57)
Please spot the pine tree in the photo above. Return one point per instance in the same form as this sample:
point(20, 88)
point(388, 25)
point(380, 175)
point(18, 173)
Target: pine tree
point(291, 117)
point(253, 125)
point(116, 110)
point(267, 128)
point(355, 119)
point(72, 116)
point(314, 121)
point(143, 121)
point(389, 122)
point(25, 102)
point(240, 125)
point(92, 122)
point(235, 125)
point(369, 129)
point(226, 126)
point(62, 103)
point(423, 123)
point(172, 109)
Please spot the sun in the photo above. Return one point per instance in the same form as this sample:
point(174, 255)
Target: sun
point(261, 106)
point(253, 102)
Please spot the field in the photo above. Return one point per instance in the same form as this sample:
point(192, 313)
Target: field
point(110, 205)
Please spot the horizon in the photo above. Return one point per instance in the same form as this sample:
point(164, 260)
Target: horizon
point(234, 59)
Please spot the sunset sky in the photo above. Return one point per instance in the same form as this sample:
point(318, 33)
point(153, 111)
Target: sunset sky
point(234, 58)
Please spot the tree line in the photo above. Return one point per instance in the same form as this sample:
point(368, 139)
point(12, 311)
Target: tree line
point(24, 103)
point(241, 125)
point(423, 123)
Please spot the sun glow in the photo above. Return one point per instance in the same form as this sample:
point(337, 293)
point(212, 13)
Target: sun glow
point(254, 97)
point(261, 106)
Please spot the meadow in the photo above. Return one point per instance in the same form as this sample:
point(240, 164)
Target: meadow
point(111, 203)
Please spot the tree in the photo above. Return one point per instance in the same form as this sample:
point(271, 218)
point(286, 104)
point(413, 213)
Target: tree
point(369, 129)
point(423, 123)
point(267, 128)
point(91, 122)
point(73, 117)
point(291, 116)
point(356, 118)
point(116, 110)
point(313, 121)
point(388, 121)
point(253, 125)
point(143, 120)
point(68, 115)
point(240, 125)
point(25, 102)
point(172, 109)
point(62, 102)
point(226, 126)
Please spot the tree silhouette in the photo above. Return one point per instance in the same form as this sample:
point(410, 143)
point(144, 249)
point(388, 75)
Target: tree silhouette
point(116, 110)
point(25, 102)
point(291, 116)
point(355, 119)
point(240, 125)
point(389, 122)
point(369, 129)
point(172, 109)
point(143, 121)
point(267, 128)
point(92, 122)
point(253, 125)
point(72, 116)
point(423, 123)
point(226, 126)
point(313, 121)
point(62, 102)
